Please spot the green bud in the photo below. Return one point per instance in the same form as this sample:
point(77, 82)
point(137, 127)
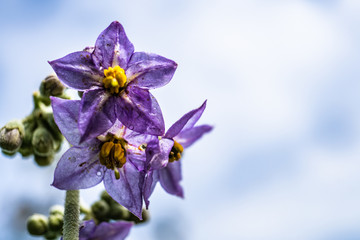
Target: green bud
point(37, 224)
point(100, 209)
point(11, 136)
point(56, 222)
point(26, 148)
point(8, 153)
point(53, 127)
point(57, 210)
point(118, 212)
point(25, 151)
point(43, 161)
point(106, 197)
point(42, 142)
point(50, 235)
point(51, 86)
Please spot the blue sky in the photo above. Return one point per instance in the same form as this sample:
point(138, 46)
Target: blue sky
point(281, 79)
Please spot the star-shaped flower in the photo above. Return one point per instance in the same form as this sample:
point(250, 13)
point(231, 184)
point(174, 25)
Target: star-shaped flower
point(116, 82)
point(117, 158)
point(163, 156)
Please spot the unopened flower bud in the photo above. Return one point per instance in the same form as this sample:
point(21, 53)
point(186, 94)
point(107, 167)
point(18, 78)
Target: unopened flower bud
point(56, 222)
point(100, 209)
point(106, 197)
point(118, 212)
point(51, 86)
point(44, 161)
point(42, 142)
point(26, 148)
point(57, 210)
point(50, 235)
point(25, 151)
point(37, 225)
point(55, 132)
point(11, 136)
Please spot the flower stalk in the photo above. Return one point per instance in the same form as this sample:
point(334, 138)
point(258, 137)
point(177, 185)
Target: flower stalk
point(71, 215)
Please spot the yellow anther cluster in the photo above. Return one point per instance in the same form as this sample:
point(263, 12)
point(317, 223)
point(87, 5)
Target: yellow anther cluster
point(176, 151)
point(114, 79)
point(113, 156)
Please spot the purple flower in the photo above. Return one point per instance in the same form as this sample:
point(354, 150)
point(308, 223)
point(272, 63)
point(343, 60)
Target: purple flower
point(116, 82)
point(163, 156)
point(117, 158)
point(105, 231)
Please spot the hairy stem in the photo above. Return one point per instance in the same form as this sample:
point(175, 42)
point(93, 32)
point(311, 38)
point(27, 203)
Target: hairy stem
point(71, 216)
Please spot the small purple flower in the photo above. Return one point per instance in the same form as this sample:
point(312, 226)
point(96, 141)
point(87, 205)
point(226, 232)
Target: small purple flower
point(116, 82)
point(104, 231)
point(163, 155)
point(117, 158)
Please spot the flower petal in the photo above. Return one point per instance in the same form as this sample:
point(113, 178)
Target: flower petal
point(112, 231)
point(135, 151)
point(87, 228)
point(185, 122)
point(136, 138)
point(138, 110)
point(157, 153)
point(66, 114)
point(128, 189)
point(78, 168)
point(137, 157)
point(113, 47)
point(77, 70)
point(170, 178)
point(188, 137)
point(151, 178)
point(148, 71)
point(97, 113)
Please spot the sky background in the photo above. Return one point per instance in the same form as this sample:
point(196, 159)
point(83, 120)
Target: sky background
point(282, 82)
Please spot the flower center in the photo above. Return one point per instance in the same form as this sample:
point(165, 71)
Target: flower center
point(114, 79)
point(176, 151)
point(113, 155)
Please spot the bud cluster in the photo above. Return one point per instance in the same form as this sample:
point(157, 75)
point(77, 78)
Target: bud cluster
point(107, 209)
point(50, 227)
point(37, 134)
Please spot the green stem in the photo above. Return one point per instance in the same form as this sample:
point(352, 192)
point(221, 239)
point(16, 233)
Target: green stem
point(71, 215)
point(36, 99)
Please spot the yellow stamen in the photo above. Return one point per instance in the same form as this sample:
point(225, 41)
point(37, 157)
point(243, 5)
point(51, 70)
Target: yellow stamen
point(102, 160)
point(114, 83)
point(123, 160)
point(106, 148)
point(121, 77)
point(118, 152)
point(109, 72)
point(178, 146)
point(176, 152)
point(107, 82)
point(115, 78)
point(113, 155)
